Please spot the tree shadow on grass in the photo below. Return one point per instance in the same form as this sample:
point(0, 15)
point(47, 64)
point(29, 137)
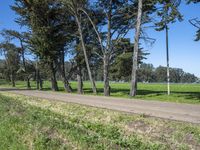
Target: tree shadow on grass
point(125, 93)
point(189, 95)
point(147, 93)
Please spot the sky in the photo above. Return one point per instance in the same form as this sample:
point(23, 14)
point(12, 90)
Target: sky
point(184, 51)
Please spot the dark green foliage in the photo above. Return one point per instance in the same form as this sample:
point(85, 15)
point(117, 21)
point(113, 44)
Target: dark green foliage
point(177, 75)
point(197, 35)
point(193, 1)
point(168, 13)
point(12, 60)
point(146, 73)
point(196, 23)
point(120, 67)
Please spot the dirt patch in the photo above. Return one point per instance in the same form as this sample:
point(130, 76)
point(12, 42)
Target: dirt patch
point(138, 126)
point(18, 112)
point(190, 140)
point(53, 134)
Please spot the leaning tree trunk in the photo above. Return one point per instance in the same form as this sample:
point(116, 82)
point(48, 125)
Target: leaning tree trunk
point(79, 80)
point(106, 56)
point(105, 52)
point(54, 84)
point(133, 90)
point(86, 57)
point(106, 75)
point(67, 86)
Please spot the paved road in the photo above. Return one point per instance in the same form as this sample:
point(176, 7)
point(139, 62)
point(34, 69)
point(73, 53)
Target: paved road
point(174, 111)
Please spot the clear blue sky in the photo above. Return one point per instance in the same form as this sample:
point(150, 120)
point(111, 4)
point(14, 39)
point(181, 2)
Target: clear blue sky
point(184, 52)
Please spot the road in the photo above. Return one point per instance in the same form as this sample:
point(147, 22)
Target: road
point(166, 110)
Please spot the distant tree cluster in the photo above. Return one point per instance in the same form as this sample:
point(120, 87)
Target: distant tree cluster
point(147, 73)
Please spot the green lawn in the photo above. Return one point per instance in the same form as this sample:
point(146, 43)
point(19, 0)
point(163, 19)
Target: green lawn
point(31, 123)
point(182, 93)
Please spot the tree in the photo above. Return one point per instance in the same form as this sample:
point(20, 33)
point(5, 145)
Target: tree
point(146, 73)
point(73, 7)
point(23, 42)
point(196, 23)
point(117, 26)
point(189, 78)
point(168, 12)
point(133, 89)
point(144, 9)
point(48, 31)
point(11, 53)
point(121, 62)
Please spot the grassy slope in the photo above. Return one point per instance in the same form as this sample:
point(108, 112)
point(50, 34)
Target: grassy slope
point(183, 93)
point(31, 123)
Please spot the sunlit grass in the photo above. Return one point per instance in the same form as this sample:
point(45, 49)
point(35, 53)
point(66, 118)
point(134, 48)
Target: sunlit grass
point(181, 93)
point(32, 123)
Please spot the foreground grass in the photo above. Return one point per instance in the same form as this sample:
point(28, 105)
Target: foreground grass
point(181, 93)
point(32, 123)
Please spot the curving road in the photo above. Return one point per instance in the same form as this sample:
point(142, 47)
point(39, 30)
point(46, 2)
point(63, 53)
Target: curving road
point(166, 110)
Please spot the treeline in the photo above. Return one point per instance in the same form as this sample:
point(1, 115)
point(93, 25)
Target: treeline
point(91, 33)
point(147, 73)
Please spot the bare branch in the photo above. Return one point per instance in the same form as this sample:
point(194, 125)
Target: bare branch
point(95, 29)
point(195, 22)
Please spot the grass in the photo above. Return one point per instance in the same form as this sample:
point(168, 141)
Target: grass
point(180, 93)
point(32, 123)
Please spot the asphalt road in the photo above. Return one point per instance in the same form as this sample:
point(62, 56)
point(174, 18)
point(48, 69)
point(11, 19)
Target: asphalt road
point(166, 110)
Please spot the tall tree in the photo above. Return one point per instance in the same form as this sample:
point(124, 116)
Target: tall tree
point(116, 26)
point(48, 30)
point(11, 54)
point(23, 42)
point(133, 89)
point(73, 7)
point(169, 13)
point(141, 11)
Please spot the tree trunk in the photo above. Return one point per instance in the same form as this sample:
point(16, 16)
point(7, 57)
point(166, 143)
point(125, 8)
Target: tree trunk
point(167, 53)
point(37, 83)
point(41, 84)
point(85, 55)
point(53, 78)
point(12, 79)
point(67, 86)
point(80, 81)
point(28, 83)
point(106, 75)
point(40, 81)
point(106, 55)
point(133, 90)
point(37, 75)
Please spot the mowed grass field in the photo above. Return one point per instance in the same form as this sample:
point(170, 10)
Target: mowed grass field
point(32, 123)
point(181, 93)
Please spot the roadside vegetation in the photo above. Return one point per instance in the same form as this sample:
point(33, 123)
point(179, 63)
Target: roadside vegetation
point(32, 123)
